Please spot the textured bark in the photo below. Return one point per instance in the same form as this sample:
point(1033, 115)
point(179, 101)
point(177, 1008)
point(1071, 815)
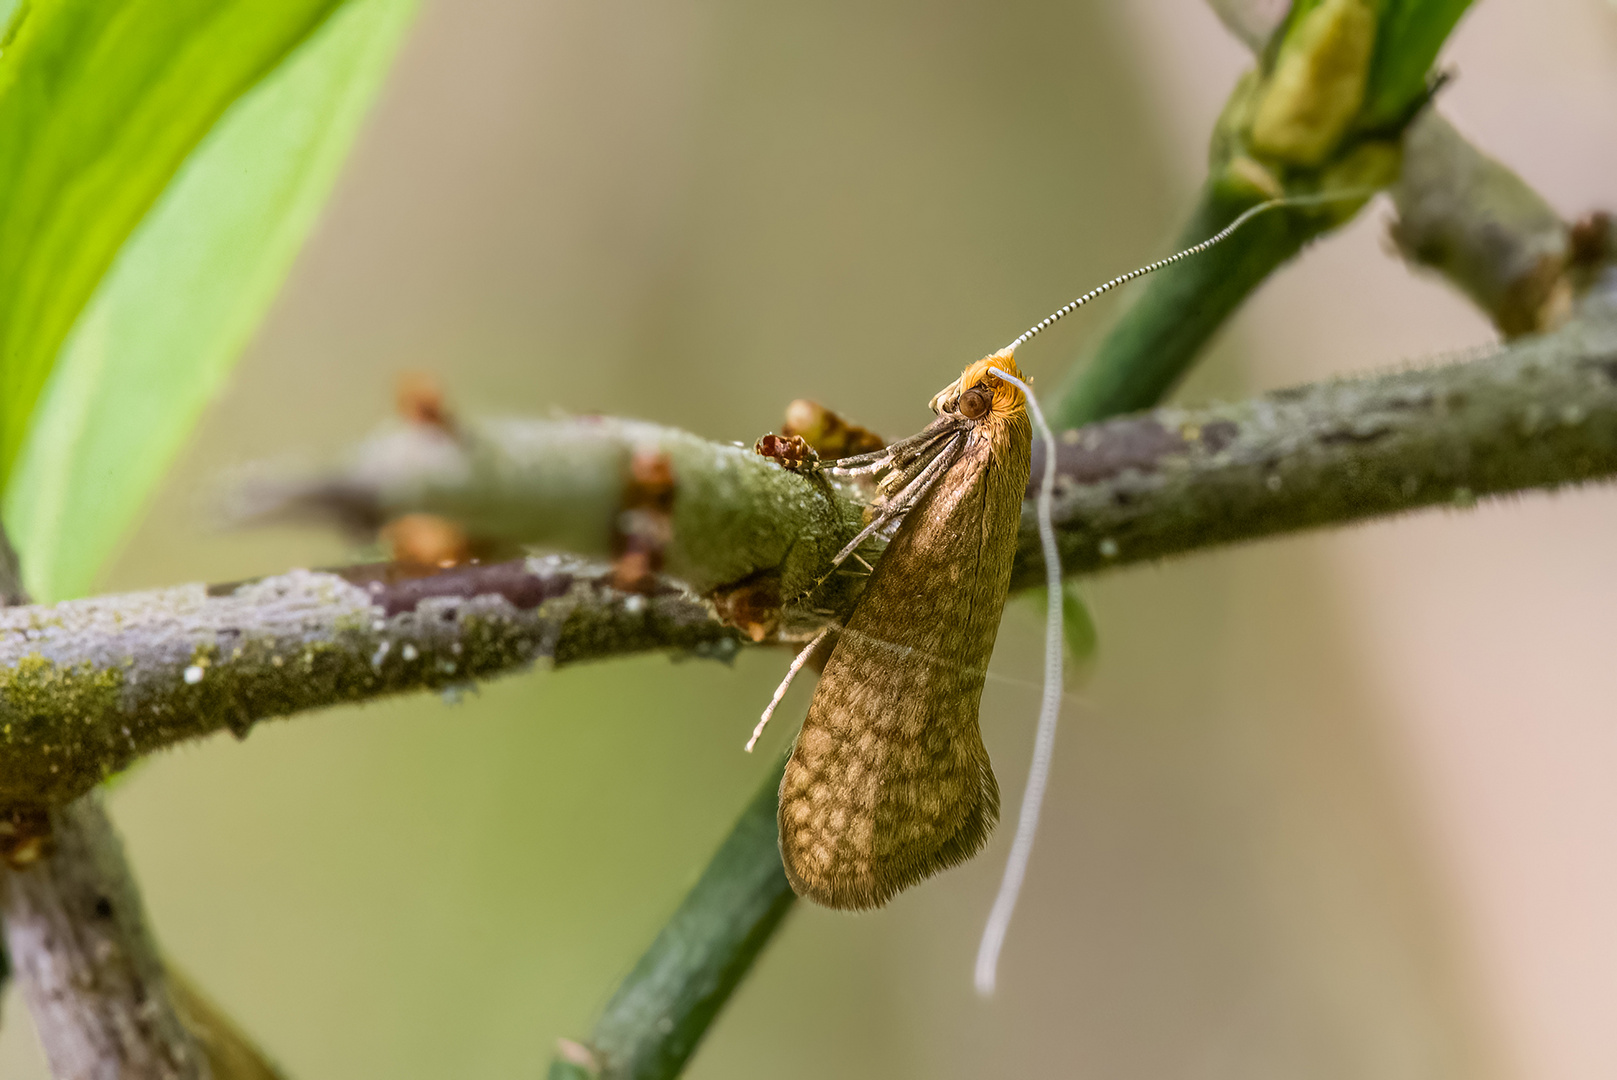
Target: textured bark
point(87, 965)
point(1470, 218)
point(87, 686)
point(1540, 414)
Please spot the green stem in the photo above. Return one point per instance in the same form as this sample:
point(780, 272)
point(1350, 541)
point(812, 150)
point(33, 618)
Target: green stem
point(654, 1022)
point(1160, 336)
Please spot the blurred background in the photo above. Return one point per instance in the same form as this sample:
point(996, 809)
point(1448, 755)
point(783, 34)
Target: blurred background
point(1332, 806)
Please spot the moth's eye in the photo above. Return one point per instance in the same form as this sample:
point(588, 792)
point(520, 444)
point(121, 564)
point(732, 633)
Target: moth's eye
point(975, 402)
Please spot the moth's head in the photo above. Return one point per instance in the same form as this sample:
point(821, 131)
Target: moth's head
point(981, 395)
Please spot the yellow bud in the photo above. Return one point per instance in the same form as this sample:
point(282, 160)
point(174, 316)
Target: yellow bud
point(1318, 82)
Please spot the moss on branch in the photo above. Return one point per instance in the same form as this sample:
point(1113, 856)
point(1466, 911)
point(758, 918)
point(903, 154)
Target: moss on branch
point(87, 686)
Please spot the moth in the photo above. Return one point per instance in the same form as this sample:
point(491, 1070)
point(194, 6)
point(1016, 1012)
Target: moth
point(889, 782)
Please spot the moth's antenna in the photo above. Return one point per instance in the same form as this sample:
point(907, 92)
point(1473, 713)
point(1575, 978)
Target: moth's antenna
point(1221, 235)
point(1027, 822)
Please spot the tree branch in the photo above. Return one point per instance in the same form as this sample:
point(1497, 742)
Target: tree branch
point(103, 1003)
point(87, 686)
point(576, 485)
point(1539, 414)
point(1478, 224)
point(88, 967)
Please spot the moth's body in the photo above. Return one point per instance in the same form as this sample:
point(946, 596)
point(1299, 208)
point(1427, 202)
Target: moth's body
point(889, 781)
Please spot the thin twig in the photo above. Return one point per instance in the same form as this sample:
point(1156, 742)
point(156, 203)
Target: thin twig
point(1483, 228)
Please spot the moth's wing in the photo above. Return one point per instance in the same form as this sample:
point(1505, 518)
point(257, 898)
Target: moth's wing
point(889, 781)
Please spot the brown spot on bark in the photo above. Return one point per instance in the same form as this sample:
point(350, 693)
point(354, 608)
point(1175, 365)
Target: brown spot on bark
point(1103, 451)
point(1538, 299)
point(1590, 239)
point(827, 433)
point(1218, 434)
point(513, 580)
point(752, 605)
point(1607, 365)
point(25, 835)
point(1358, 434)
point(428, 541)
point(645, 524)
point(419, 398)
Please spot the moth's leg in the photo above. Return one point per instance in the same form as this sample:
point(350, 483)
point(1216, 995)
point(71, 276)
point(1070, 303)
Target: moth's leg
point(785, 684)
point(895, 507)
point(902, 451)
point(876, 463)
point(901, 501)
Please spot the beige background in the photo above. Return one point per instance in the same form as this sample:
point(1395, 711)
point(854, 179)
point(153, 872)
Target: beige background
point(1335, 806)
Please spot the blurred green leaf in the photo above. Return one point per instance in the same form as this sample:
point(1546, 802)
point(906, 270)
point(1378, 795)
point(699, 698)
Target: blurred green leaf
point(100, 102)
point(1078, 632)
point(1078, 626)
point(171, 315)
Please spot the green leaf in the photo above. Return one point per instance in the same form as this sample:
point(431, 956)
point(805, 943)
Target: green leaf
point(1078, 626)
point(186, 291)
point(100, 102)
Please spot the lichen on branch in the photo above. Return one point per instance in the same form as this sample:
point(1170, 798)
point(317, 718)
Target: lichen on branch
point(88, 686)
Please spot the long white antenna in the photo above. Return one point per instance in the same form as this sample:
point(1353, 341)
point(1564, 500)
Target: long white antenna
point(1222, 234)
point(1027, 821)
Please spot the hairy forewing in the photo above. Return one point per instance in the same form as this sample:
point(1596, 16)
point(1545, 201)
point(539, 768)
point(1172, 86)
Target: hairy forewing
point(889, 781)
